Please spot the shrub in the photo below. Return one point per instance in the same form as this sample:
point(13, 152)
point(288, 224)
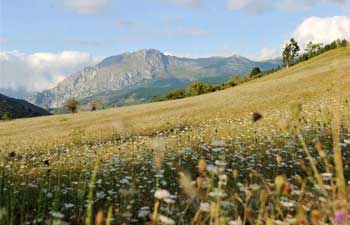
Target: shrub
point(6, 116)
point(72, 105)
point(233, 81)
point(198, 88)
point(255, 71)
point(175, 94)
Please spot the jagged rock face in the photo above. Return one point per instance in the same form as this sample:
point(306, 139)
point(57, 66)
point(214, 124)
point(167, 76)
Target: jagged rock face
point(126, 70)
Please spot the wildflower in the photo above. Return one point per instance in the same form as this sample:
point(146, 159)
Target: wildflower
point(248, 212)
point(235, 173)
point(100, 217)
point(220, 163)
point(204, 207)
point(68, 205)
point(315, 216)
point(218, 143)
point(166, 220)
point(280, 222)
point(218, 149)
point(287, 204)
point(326, 176)
point(235, 222)
point(162, 194)
point(223, 177)
point(217, 193)
point(169, 200)
point(143, 212)
point(278, 159)
point(340, 216)
point(202, 166)
point(212, 169)
point(56, 215)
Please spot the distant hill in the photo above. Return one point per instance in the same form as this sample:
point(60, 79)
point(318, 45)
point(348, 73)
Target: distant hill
point(140, 71)
point(16, 108)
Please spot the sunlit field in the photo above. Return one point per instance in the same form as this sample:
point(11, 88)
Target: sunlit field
point(274, 150)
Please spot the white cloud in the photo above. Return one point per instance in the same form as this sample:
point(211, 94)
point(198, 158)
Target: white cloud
point(322, 30)
point(86, 6)
point(267, 53)
point(39, 71)
point(318, 30)
point(261, 6)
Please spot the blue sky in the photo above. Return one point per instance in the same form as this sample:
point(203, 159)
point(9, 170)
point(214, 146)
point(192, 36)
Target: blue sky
point(188, 27)
point(44, 41)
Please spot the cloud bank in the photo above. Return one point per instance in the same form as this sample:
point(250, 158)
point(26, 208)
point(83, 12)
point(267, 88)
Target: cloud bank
point(316, 29)
point(39, 71)
point(322, 30)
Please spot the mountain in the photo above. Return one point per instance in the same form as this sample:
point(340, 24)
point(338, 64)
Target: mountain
point(16, 108)
point(129, 70)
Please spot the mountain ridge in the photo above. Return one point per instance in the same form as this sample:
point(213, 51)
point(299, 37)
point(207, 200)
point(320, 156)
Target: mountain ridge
point(17, 108)
point(126, 70)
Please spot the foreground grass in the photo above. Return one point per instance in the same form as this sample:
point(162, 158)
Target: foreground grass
point(200, 160)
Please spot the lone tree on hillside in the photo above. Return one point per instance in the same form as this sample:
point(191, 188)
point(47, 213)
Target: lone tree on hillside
point(72, 105)
point(290, 51)
point(255, 71)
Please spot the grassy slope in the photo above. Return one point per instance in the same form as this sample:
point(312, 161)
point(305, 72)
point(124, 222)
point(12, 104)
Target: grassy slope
point(311, 83)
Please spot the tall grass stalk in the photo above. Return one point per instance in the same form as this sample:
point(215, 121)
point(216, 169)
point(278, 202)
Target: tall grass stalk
point(89, 210)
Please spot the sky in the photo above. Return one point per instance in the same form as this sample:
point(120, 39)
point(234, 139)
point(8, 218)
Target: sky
point(44, 41)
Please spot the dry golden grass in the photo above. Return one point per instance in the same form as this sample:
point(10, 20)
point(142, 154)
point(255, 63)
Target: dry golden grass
point(311, 83)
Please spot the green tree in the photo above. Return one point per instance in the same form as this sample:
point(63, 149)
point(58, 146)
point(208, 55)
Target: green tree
point(313, 49)
point(233, 81)
point(198, 88)
point(175, 94)
point(290, 52)
point(6, 116)
point(255, 71)
point(343, 43)
point(72, 105)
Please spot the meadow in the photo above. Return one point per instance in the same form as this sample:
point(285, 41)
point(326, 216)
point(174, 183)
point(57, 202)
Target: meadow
point(274, 150)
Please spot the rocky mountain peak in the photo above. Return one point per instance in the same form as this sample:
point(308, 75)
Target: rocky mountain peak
point(133, 68)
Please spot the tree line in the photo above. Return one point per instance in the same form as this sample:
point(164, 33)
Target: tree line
point(290, 57)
